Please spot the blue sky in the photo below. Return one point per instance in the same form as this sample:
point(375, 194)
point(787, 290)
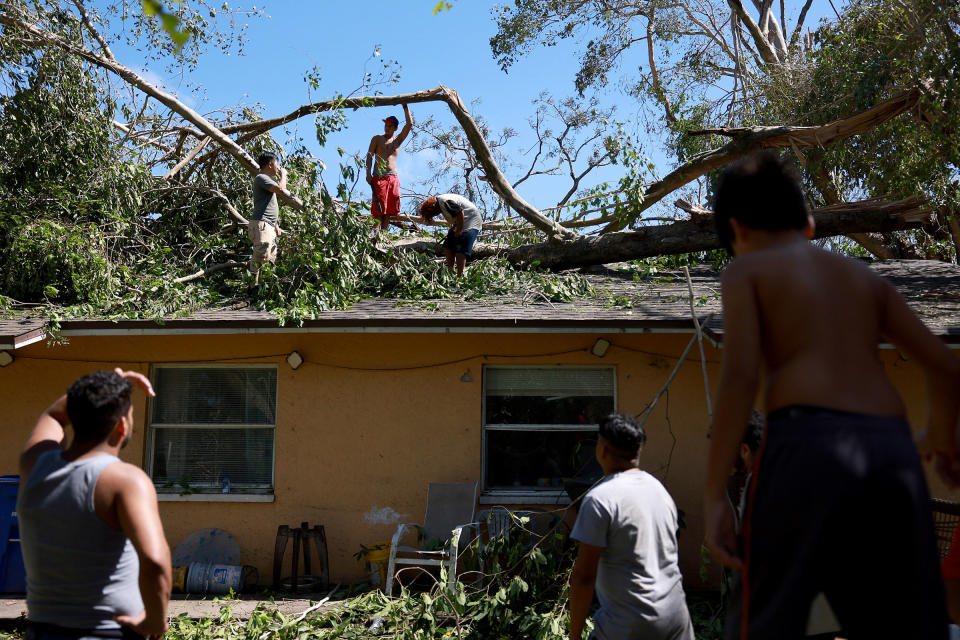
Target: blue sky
point(451, 47)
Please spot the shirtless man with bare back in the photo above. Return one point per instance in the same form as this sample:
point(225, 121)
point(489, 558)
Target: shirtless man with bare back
point(838, 502)
point(382, 170)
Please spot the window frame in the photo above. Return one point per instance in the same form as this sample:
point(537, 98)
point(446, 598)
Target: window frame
point(545, 495)
point(209, 493)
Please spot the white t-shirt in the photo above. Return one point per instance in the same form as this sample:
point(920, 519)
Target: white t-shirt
point(452, 203)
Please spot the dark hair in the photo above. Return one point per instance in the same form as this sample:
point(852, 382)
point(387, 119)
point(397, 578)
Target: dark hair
point(754, 435)
point(266, 158)
point(429, 208)
point(95, 402)
point(761, 192)
point(624, 433)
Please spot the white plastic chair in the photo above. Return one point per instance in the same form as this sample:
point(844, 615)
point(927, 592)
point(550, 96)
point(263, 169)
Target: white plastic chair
point(450, 509)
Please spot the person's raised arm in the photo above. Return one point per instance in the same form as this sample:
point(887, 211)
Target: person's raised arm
point(582, 582)
point(48, 433)
point(281, 185)
point(407, 127)
point(140, 521)
point(371, 155)
point(736, 392)
point(907, 332)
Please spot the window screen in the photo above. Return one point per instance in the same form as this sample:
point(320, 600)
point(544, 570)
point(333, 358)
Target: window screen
point(212, 423)
point(540, 424)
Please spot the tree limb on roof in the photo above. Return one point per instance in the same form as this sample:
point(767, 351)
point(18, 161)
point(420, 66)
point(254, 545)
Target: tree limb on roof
point(687, 236)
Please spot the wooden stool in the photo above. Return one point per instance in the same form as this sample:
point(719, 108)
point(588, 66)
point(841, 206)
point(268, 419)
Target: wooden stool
point(301, 536)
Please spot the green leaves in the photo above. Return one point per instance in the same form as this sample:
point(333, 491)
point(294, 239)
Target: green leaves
point(170, 22)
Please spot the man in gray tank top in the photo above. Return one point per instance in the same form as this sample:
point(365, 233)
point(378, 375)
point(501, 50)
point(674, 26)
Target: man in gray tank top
point(627, 530)
point(98, 564)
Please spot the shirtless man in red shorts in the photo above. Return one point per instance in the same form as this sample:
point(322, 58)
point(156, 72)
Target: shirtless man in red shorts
point(382, 170)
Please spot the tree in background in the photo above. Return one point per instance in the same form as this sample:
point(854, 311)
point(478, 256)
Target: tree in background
point(710, 64)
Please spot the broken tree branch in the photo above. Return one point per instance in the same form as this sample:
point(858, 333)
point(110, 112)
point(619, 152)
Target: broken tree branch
point(187, 159)
point(498, 182)
point(357, 102)
point(687, 236)
point(88, 23)
point(749, 139)
point(209, 270)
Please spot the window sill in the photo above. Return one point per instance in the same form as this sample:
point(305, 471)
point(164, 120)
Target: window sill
point(215, 497)
point(524, 497)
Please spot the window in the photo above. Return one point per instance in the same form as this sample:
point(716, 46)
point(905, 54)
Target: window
point(540, 425)
point(210, 424)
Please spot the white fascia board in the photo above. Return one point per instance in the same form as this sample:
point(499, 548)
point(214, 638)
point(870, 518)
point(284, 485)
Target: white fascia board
point(369, 329)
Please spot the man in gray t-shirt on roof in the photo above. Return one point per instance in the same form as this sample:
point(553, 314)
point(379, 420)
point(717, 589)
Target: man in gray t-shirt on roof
point(627, 530)
point(264, 225)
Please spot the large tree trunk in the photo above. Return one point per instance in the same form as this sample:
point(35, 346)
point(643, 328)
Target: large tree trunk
point(686, 237)
point(872, 242)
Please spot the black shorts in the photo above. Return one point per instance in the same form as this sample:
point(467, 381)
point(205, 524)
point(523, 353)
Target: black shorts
point(839, 504)
point(45, 631)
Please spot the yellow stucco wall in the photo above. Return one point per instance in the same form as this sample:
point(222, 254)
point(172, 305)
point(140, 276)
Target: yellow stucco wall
point(350, 441)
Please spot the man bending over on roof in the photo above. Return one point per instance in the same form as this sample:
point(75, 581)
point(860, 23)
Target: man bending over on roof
point(264, 225)
point(465, 224)
point(93, 545)
point(627, 530)
point(382, 170)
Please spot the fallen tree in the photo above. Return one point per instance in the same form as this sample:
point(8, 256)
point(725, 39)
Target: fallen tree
point(687, 236)
point(164, 233)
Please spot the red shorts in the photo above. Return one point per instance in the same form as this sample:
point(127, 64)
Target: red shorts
point(386, 194)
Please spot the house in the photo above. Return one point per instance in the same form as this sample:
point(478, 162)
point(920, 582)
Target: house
point(343, 421)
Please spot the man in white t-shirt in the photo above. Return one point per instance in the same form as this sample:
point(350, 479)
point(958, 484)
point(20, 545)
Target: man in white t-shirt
point(627, 530)
point(465, 223)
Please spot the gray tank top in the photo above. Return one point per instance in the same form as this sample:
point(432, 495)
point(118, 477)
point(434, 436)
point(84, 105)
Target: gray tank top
point(80, 571)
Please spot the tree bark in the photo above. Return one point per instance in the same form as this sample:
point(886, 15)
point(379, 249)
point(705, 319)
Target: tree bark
point(872, 242)
point(686, 237)
point(766, 50)
point(260, 126)
point(747, 140)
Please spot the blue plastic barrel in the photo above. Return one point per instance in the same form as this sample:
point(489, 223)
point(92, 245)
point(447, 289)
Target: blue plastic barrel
point(206, 577)
point(13, 577)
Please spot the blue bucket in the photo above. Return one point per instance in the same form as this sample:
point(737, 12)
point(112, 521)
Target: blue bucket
point(206, 577)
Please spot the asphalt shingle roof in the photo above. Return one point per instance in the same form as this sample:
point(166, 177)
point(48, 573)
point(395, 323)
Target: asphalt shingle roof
point(624, 301)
